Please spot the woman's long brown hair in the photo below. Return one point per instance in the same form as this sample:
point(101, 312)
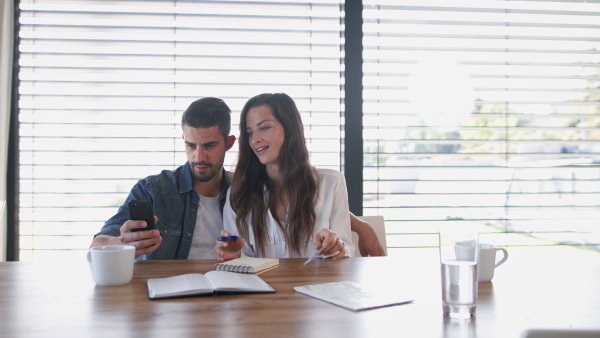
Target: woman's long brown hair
point(252, 192)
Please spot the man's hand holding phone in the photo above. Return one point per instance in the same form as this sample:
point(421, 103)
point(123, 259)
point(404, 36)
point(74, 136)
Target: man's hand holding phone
point(140, 231)
point(141, 218)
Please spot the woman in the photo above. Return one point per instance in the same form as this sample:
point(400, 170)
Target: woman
point(278, 203)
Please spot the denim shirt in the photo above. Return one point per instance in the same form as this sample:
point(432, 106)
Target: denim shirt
point(175, 203)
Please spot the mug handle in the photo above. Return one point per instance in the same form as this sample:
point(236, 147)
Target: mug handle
point(504, 258)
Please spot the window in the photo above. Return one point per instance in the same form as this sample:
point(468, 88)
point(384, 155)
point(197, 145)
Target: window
point(103, 85)
point(483, 112)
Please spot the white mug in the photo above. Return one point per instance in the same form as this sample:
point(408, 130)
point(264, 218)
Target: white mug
point(487, 261)
point(465, 250)
point(112, 264)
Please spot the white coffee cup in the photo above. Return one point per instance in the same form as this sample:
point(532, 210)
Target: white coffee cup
point(465, 250)
point(487, 261)
point(112, 264)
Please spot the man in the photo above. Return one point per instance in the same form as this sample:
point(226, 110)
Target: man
point(190, 199)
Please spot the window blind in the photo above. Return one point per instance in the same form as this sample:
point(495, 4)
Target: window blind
point(485, 113)
point(103, 85)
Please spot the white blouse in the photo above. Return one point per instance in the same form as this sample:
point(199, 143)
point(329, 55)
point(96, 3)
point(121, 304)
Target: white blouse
point(332, 212)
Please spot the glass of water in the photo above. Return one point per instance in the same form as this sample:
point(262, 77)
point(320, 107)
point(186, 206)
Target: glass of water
point(458, 260)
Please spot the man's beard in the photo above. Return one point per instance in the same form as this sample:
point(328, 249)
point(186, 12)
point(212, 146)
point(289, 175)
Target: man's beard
point(204, 177)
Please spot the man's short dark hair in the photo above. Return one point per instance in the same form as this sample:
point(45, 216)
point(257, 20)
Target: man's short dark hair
point(208, 112)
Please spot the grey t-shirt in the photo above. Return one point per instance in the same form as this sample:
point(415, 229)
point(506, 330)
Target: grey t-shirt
point(209, 224)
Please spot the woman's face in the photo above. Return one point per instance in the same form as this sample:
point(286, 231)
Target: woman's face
point(265, 134)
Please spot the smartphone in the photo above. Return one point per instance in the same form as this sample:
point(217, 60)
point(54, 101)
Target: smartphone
point(141, 211)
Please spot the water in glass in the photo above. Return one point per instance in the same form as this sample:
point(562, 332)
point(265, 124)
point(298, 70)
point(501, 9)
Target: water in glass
point(459, 288)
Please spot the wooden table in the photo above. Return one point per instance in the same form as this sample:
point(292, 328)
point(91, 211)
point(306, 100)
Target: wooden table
point(554, 287)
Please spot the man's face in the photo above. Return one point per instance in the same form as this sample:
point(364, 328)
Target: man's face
point(205, 149)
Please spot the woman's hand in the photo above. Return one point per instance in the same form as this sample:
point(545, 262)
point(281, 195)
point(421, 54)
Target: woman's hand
point(331, 242)
point(228, 250)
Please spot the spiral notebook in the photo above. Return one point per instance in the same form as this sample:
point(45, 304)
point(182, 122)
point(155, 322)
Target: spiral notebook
point(248, 265)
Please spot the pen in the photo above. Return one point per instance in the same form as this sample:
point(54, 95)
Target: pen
point(228, 238)
point(314, 255)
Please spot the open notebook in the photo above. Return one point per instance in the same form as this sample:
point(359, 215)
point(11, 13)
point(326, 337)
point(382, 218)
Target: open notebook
point(211, 283)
